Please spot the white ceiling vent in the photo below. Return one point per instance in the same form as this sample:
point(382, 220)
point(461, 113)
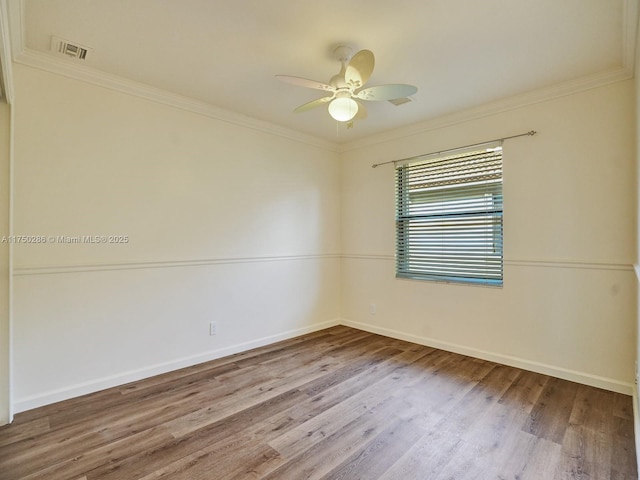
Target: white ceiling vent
point(69, 49)
point(400, 101)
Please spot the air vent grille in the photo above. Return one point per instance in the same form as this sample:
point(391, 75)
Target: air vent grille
point(400, 101)
point(69, 49)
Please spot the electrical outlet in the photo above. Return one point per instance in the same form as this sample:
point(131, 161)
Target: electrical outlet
point(372, 309)
point(213, 328)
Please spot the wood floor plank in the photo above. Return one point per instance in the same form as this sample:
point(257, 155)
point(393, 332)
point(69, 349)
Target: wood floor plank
point(104, 428)
point(427, 456)
point(316, 429)
point(233, 430)
point(549, 417)
point(257, 393)
point(492, 448)
point(522, 456)
point(436, 391)
point(102, 397)
point(24, 430)
point(622, 407)
point(337, 414)
point(623, 447)
point(73, 466)
point(524, 392)
point(471, 420)
point(333, 450)
point(385, 449)
point(169, 452)
point(339, 403)
point(587, 443)
point(164, 393)
point(219, 462)
point(335, 392)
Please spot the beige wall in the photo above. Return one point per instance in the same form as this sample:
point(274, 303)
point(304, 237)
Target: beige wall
point(568, 302)
point(271, 237)
point(4, 264)
point(637, 259)
point(225, 223)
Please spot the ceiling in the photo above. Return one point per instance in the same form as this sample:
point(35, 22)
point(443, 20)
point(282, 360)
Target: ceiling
point(459, 53)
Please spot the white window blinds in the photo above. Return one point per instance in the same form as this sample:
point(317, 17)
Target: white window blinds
point(449, 217)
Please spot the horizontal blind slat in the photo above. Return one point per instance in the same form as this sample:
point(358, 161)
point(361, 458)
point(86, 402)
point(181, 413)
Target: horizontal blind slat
point(449, 218)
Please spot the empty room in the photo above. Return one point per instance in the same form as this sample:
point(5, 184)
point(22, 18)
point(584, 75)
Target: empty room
point(319, 240)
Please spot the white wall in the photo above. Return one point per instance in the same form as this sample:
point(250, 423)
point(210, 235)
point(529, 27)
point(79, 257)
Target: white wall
point(5, 410)
point(225, 223)
point(568, 302)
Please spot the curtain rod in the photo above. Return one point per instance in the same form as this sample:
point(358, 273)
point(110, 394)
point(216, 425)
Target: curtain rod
point(530, 133)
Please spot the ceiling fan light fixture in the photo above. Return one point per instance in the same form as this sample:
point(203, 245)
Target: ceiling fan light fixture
point(343, 109)
point(346, 88)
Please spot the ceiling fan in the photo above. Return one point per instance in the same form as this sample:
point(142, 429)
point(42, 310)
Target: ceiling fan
point(346, 87)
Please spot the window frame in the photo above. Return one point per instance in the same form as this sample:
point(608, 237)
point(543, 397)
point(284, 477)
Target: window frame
point(452, 210)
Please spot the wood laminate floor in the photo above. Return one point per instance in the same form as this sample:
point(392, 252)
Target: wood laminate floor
point(335, 404)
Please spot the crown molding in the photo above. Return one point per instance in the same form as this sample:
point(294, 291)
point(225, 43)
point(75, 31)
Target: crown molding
point(24, 56)
point(6, 75)
point(16, 26)
point(630, 20)
point(503, 105)
point(90, 75)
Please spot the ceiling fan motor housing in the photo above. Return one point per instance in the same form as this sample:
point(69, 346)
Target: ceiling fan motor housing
point(342, 53)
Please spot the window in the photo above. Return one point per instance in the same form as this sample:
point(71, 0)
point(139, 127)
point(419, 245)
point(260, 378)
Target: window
point(449, 217)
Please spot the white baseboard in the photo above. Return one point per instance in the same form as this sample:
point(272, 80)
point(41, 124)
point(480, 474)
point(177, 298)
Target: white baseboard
point(65, 393)
point(558, 372)
point(52, 396)
point(636, 396)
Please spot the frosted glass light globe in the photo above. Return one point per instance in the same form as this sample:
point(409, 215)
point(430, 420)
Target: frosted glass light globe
point(343, 109)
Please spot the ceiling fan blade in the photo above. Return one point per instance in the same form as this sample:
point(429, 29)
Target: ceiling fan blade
point(386, 92)
point(359, 69)
point(305, 82)
point(313, 104)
